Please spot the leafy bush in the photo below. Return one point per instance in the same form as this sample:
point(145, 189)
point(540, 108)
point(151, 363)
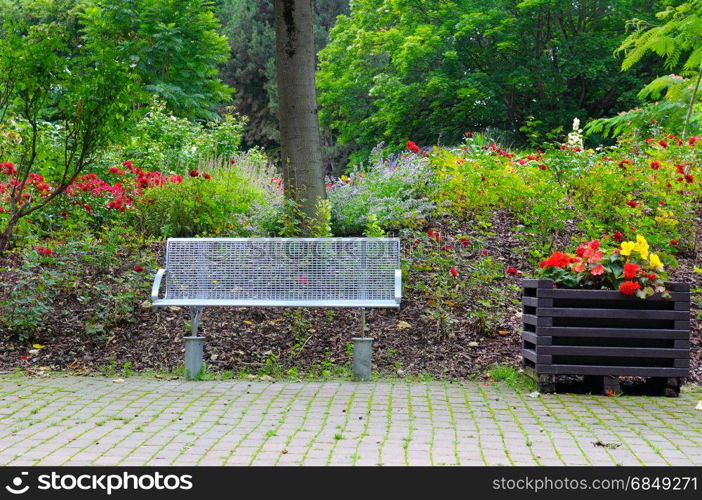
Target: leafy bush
point(161, 141)
point(392, 193)
point(215, 202)
point(665, 105)
point(637, 186)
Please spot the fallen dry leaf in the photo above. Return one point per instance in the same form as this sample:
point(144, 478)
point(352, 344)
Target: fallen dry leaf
point(504, 333)
point(611, 446)
point(403, 325)
point(118, 381)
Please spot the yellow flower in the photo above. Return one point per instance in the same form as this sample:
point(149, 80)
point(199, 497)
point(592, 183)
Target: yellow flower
point(627, 247)
point(655, 262)
point(641, 247)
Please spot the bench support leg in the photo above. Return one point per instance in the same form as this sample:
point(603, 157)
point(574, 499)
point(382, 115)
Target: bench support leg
point(194, 347)
point(362, 353)
point(361, 363)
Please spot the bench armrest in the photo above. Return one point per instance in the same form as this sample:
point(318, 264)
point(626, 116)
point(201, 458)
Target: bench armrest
point(157, 284)
point(398, 285)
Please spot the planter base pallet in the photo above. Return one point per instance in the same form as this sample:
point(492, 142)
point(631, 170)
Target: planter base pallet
point(604, 334)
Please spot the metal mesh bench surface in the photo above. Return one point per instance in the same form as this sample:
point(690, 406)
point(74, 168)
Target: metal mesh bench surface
point(313, 272)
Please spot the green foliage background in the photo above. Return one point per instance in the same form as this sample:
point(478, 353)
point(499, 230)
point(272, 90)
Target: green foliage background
point(430, 70)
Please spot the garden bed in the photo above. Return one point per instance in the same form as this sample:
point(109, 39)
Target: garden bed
point(265, 341)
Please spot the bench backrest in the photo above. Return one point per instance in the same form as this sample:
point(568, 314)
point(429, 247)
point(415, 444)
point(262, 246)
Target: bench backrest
point(324, 272)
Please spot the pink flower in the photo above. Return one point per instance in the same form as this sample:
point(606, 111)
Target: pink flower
point(138, 269)
point(512, 271)
point(632, 203)
point(44, 251)
point(453, 271)
point(597, 270)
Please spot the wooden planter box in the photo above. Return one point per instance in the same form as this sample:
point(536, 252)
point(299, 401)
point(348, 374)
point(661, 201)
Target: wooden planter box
point(604, 334)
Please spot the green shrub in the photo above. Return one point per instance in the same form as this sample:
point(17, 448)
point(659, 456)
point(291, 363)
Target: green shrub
point(393, 194)
point(219, 205)
point(161, 141)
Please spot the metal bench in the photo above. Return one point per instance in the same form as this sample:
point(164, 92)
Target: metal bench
point(279, 272)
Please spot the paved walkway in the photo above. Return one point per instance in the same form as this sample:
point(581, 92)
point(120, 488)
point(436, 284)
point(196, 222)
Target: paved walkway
point(80, 421)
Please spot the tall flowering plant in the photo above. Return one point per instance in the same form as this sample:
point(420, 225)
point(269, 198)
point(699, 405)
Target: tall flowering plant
point(631, 268)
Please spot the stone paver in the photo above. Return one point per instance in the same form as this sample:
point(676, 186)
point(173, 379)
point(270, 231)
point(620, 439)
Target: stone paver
point(82, 421)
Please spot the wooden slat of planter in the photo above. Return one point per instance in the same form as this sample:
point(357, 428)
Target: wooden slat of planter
point(564, 293)
point(678, 287)
point(530, 337)
point(537, 302)
point(672, 286)
point(683, 324)
point(627, 333)
point(536, 339)
point(532, 283)
point(682, 363)
point(623, 371)
point(624, 352)
point(530, 319)
point(682, 306)
point(570, 312)
point(539, 359)
point(529, 354)
point(681, 344)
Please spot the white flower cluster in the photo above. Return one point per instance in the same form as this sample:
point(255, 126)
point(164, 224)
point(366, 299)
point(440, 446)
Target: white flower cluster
point(575, 138)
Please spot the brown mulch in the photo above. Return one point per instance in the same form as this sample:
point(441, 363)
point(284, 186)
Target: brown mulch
point(407, 342)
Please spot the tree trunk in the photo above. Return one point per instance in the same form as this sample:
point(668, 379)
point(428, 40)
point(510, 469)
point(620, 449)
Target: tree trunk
point(299, 125)
point(6, 234)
